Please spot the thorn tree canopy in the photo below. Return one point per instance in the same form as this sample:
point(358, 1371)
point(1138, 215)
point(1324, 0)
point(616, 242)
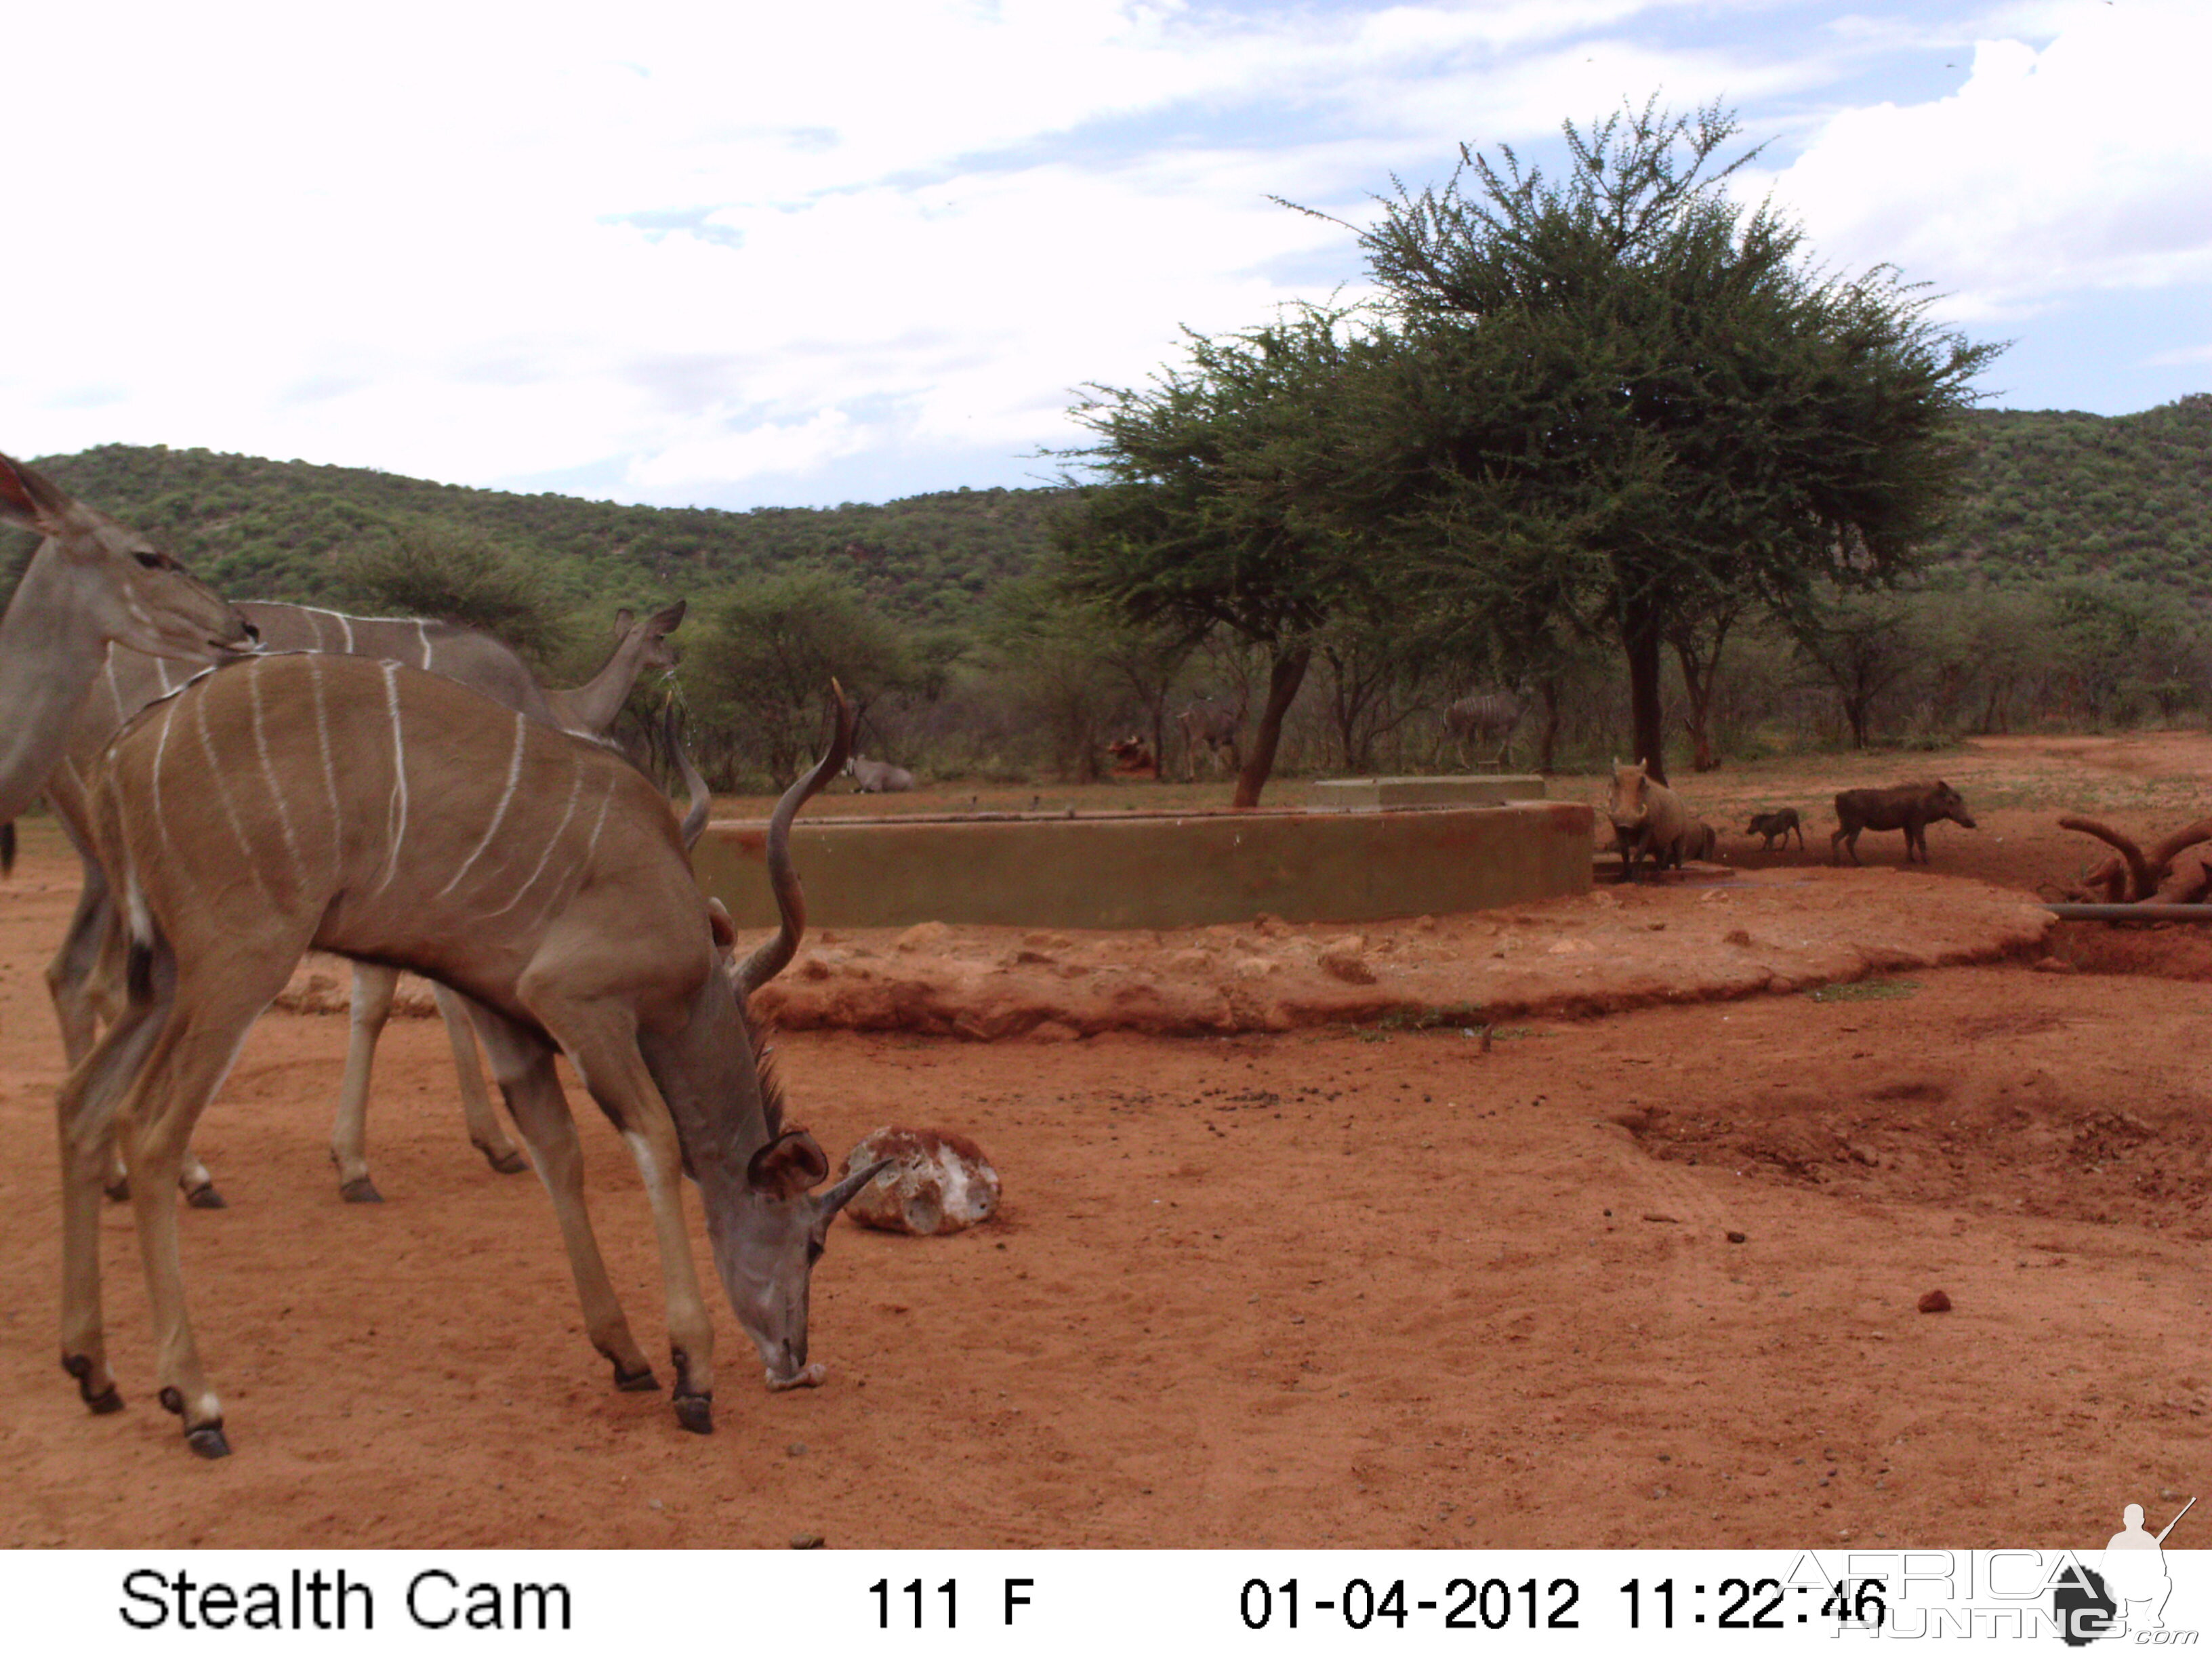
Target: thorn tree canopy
point(1623, 398)
point(1216, 501)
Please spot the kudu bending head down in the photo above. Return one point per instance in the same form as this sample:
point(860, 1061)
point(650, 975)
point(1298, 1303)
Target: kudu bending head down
point(378, 812)
point(767, 1236)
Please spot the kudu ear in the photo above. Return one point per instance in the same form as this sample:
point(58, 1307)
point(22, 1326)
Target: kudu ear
point(719, 924)
point(29, 500)
point(842, 1193)
point(787, 1166)
point(668, 619)
point(622, 620)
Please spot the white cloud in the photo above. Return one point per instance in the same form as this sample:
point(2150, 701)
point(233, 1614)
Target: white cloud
point(2079, 164)
point(722, 250)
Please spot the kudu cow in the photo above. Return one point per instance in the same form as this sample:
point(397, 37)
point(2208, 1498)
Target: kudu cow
point(1216, 728)
point(90, 584)
point(84, 993)
point(378, 812)
point(1479, 719)
point(1647, 817)
point(1911, 807)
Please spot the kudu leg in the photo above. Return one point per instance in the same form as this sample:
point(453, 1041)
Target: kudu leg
point(69, 986)
point(524, 1068)
point(214, 1011)
point(85, 1113)
point(369, 1009)
point(84, 980)
point(68, 975)
point(484, 1131)
point(602, 1044)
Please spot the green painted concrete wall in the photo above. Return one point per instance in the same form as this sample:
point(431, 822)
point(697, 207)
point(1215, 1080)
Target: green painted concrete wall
point(1162, 872)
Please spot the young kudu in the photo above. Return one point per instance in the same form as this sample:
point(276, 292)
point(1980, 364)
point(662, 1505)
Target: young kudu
point(81, 980)
point(91, 583)
point(380, 812)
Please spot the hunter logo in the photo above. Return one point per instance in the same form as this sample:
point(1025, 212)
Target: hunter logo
point(2128, 1597)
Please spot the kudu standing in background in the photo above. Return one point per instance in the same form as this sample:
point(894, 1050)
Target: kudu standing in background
point(82, 978)
point(1479, 717)
point(1216, 727)
point(377, 811)
point(90, 584)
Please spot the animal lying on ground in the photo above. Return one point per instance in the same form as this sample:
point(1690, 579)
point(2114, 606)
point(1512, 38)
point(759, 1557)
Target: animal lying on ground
point(1911, 807)
point(1132, 757)
point(1776, 826)
point(1702, 842)
point(879, 777)
point(1647, 817)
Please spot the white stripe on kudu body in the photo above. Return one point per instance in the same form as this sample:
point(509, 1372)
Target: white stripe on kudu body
point(499, 813)
point(618, 968)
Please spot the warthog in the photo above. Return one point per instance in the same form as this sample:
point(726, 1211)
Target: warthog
point(1777, 826)
point(1647, 817)
point(1701, 842)
point(879, 777)
point(1132, 757)
point(1911, 807)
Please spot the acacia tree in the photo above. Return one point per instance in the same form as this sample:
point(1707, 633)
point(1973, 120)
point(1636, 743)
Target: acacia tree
point(1216, 505)
point(1621, 396)
point(763, 664)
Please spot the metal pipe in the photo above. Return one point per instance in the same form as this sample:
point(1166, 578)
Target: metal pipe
point(2131, 912)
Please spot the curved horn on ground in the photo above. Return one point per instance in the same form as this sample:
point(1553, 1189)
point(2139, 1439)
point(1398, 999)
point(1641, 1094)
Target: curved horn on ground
point(770, 958)
point(695, 820)
point(842, 1194)
point(2144, 881)
point(2161, 857)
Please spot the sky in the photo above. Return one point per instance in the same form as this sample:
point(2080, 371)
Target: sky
point(738, 254)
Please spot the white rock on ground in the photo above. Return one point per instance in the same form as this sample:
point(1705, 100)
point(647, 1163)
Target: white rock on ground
point(942, 1183)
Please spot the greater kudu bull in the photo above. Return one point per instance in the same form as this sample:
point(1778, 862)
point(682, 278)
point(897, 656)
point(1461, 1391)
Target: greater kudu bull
point(377, 811)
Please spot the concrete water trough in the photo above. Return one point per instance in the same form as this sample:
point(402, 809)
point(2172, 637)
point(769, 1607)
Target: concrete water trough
point(1156, 870)
point(1372, 794)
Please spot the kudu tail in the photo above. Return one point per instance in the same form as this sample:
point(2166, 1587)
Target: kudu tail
point(6, 849)
point(770, 958)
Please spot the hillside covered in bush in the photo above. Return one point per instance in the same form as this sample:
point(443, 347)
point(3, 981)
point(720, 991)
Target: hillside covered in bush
point(2050, 493)
point(274, 530)
point(2047, 494)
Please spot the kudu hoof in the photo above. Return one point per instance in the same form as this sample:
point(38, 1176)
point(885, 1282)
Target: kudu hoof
point(695, 1412)
point(118, 1192)
point(362, 1191)
point(640, 1380)
point(207, 1198)
point(99, 1405)
point(208, 1441)
point(509, 1162)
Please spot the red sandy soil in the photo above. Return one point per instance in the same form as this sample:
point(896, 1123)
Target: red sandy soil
point(1336, 1281)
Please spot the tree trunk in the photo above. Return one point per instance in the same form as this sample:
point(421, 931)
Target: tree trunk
point(1285, 676)
point(1547, 750)
point(1640, 635)
point(1701, 673)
